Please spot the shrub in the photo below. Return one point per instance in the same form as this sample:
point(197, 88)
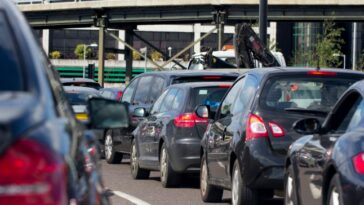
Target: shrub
point(136, 56)
point(80, 49)
point(55, 55)
point(110, 56)
point(155, 55)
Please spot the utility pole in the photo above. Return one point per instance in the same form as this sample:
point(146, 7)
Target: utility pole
point(101, 21)
point(263, 22)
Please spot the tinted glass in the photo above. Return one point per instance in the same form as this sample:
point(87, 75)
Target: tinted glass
point(11, 78)
point(128, 94)
point(355, 117)
point(246, 94)
point(168, 100)
point(79, 98)
point(191, 79)
point(226, 107)
point(156, 89)
point(304, 93)
point(210, 96)
point(142, 92)
point(157, 104)
point(178, 101)
point(83, 84)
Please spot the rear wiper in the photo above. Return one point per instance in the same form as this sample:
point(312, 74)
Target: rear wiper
point(301, 110)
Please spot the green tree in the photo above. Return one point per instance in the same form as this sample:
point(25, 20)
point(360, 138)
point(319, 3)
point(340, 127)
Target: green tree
point(360, 64)
point(55, 55)
point(322, 54)
point(80, 49)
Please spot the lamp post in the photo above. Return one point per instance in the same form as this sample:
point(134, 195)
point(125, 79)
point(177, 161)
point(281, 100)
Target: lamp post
point(341, 55)
point(145, 52)
point(169, 51)
point(92, 45)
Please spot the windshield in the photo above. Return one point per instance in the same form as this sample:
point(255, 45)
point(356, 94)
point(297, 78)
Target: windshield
point(79, 98)
point(300, 93)
point(11, 77)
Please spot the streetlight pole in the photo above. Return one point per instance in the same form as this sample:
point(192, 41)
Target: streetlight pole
point(344, 58)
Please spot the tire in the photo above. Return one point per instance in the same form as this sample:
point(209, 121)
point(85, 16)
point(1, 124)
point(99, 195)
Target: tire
point(240, 193)
point(169, 178)
point(136, 171)
point(111, 156)
point(291, 195)
point(209, 193)
point(334, 194)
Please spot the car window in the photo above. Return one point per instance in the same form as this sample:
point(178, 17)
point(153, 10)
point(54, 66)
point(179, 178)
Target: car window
point(142, 92)
point(354, 118)
point(156, 89)
point(11, 76)
point(210, 96)
point(178, 100)
point(128, 94)
point(226, 106)
point(94, 85)
point(246, 94)
point(305, 93)
point(168, 100)
point(79, 98)
point(157, 104)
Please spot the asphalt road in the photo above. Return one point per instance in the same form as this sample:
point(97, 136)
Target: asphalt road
point(124, 190)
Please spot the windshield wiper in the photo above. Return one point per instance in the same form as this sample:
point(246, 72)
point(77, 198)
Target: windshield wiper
point(302, 110)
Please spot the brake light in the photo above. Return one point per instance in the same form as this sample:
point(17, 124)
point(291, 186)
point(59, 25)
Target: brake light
point(189, 120)
point(211, 77)
point(119, 95)
point(358, 162)
point(255, 128)
point(277, 131)
point(32, 174)
point(321, 73)
point(225, 86)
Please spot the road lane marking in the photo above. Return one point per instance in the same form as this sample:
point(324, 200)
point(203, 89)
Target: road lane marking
point(130, 198)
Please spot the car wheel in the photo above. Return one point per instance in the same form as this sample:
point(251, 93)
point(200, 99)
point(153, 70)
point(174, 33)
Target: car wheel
point(209, 193)
point(136, 171)
point(240, 193)
point(290, 188)
point(334, 196)
point(169, 177)
point(111, 156)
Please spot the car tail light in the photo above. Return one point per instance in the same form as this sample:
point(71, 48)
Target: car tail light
point(189, 120)
point(358, 162)
point(225, 86)
point(119, 95)
point(31, 174)
point(212, 77)
point(255, 128)
point(277, 131)
point(321, 73)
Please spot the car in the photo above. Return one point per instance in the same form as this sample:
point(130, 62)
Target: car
point(80, 82)
point(326, 165)
point(169, 139)
point(112, 93)
point(245, 146)
point(143, 91)
point(46, 155)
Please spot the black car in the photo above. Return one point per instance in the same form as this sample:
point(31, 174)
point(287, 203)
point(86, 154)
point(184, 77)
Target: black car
point(46, 155)
point(245, 147)
point(112, 93)
point(327, 165)
point(143, 91)
point(170, 137)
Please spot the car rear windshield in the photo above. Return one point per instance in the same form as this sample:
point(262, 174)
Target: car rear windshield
point(79, 98)
point(304, 93)
point(11, 77)
point(83, 84)
point(210, 96)
point(212, 78)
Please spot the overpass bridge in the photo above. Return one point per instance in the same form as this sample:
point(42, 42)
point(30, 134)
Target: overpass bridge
point(119, 13)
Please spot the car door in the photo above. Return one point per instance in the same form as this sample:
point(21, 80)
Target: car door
point(313, 157)
point(217, 142)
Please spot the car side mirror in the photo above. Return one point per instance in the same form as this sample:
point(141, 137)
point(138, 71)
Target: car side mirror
point(107, 114)
point(307, 126)
point(202, 111)
point(140, 112)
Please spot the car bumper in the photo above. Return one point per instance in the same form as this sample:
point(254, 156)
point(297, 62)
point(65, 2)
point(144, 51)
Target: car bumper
point(185, 155)
point(260, 167)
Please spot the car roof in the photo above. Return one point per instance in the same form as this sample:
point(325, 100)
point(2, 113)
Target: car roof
point(200, 84)
point(66, 80)
point(187, 73)
point(79, 89)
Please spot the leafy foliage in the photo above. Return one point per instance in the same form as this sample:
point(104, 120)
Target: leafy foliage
point(79, 51)
point(55, 55)
point(360, 64)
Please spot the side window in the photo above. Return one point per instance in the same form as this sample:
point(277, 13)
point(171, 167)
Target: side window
point(168, 100)
point(156, 89)
point(226, 106)
point(178, 100)
point(246, 94)
point(157, 104)
point(128, 93)
point(142, 92)
point(354, 117)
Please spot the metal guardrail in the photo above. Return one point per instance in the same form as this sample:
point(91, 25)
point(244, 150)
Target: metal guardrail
point(48, 1)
